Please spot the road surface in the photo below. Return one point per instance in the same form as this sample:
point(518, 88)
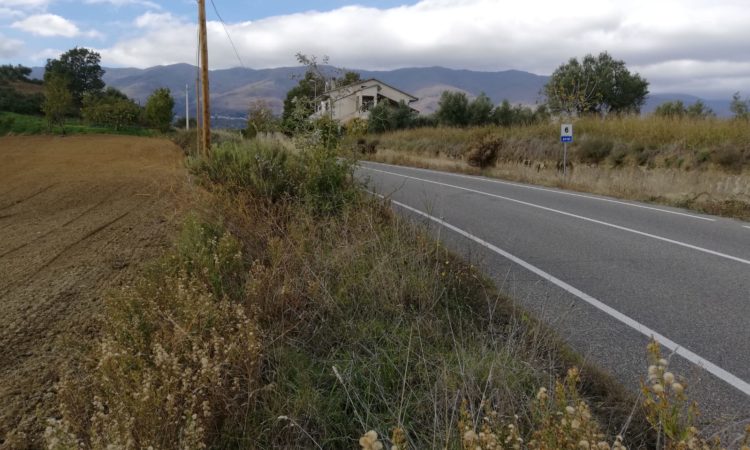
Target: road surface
point(605, 273)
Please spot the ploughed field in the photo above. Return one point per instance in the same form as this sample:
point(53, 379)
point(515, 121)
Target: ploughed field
point(78, 215)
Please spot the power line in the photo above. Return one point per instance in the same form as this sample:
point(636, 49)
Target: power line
point(236, 53)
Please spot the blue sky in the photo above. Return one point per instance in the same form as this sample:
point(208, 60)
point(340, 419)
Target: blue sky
point(690, 46)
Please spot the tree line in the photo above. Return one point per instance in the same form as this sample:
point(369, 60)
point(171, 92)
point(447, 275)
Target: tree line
point(595, 85)
point(73, 87)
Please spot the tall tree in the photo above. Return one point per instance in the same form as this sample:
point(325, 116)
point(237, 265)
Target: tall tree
point(598, 84)
point(159, 109)
point(81, 67)
point(58, 100)
point(740, 108)
point(453, 109)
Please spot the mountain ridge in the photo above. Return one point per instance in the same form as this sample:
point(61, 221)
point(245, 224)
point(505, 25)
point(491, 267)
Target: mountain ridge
point(233, 90)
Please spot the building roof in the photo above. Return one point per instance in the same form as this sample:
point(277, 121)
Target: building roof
point(362, 86)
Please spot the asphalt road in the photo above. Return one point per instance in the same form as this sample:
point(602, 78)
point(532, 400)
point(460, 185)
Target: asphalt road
point(606, 274)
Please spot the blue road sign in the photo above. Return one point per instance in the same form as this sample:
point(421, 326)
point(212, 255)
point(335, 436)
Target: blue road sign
point(566, 138)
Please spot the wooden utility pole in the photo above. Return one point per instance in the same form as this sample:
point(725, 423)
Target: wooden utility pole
point(204, 77)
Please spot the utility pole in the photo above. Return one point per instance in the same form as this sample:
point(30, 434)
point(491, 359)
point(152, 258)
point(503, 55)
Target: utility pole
point(204, 77)
point(187, 109)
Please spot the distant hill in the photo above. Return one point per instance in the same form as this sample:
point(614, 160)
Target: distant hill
point(232, 90)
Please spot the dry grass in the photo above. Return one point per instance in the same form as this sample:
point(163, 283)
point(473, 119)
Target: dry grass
point(698, 164)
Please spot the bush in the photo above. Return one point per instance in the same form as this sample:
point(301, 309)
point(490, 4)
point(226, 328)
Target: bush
point(179, 358)
point(6, 124)
point(730, 158)
point(367, 147)
point(484, 151)
point(267, 170)
point(159, 110)
point(594, 150)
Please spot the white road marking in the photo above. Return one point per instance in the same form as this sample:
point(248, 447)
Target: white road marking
point(554, 191)
point(576, 216)
point(745, 226)
point(712, 368)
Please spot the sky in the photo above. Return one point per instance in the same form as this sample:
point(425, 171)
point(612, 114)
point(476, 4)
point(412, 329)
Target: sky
point(699, 47)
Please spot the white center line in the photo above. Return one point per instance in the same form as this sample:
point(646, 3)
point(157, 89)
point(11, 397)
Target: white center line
point(745, 226)
point(588, 219)
point(554, 191)
point(712, 368)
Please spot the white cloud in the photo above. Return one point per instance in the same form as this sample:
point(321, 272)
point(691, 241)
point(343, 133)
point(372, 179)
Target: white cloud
point(533, 35)
point(9, 47)
point(26, 3)
point(8, 13)
point(48, 25)
point(119, 3)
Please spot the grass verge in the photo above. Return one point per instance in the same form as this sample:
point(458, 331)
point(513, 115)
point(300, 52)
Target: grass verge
point(698, 164)
point(298, 313)
point(20, 124)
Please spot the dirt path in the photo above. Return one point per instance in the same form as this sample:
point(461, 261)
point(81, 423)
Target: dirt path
point(77, 216)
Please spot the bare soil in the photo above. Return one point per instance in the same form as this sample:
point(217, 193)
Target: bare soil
point(78, 216)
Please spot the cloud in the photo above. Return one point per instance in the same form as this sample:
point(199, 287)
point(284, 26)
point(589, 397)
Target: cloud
point(9, 47)
point(26, 3)
point(49, 25)
point(6, 13)
point(119, 3)
point(533, 35)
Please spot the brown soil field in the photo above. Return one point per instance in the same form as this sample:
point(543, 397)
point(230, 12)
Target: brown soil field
point(78, 216)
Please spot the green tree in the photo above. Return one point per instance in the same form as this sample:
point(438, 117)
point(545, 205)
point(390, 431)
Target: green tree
point(14, 73)
point(453, 109)
point(111, 108)
point(480, 110)
point(58, 100)
point(260, 119)
point(388, 117)
point(81, 67)
point(699, 110)
point(159, 110)
point(739, 107)
point(301, 100)
point(598, 84)
point(672, 109)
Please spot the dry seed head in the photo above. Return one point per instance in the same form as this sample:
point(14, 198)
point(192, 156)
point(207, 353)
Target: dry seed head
point(668, 378)
point(658, 388)
point(677, 388)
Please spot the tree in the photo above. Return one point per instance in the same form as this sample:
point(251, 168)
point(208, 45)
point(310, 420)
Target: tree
point(81, 67)
point(58, 100)
point(159, 110)
point(677, 109)
point(300, 101)
point(387, 117)
point(740, 108)
point(14, 73)
point(453, 109)
point(111, 108)
point(599, 85)
point(260, 119)
point(480, 110)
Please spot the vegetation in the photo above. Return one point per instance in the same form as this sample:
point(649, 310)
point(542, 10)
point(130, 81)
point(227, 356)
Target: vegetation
point(158, 112)
point(260, 119)
point(739, 107)
point(18, 93)
point(81, 67)
point(677, 109)
point(110, 108)
point(22, 124)
point(599, 85)
point(58, 101)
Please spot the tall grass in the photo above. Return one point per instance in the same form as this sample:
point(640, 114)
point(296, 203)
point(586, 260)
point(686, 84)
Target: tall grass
point(21, 124)
point(279, 321)
point(700, 164)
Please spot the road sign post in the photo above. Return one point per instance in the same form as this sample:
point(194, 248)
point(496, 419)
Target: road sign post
point(566, 135)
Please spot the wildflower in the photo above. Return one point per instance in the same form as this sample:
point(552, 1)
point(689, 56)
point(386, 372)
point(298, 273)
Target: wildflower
point(575, 424)
point(470, 437)
point(542, 394)
point(668, 378)
point(583, 444)
point(663, 362)
point(570, 410)
point(677, 388)
point(370, 441)
point(658, 388)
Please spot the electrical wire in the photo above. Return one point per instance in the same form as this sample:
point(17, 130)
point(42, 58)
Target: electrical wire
point(236, 53)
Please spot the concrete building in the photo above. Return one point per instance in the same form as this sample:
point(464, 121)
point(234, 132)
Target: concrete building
point(345, 103)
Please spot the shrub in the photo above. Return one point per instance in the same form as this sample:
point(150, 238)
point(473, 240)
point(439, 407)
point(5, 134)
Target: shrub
point(6, 124)
point(484, 151)
point(159, 110)
point(594, 150)
point(179, 357)
point(729, 157)
point(367, 147)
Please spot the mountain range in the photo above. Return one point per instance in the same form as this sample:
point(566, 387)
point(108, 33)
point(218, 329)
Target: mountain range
point(233, 90)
